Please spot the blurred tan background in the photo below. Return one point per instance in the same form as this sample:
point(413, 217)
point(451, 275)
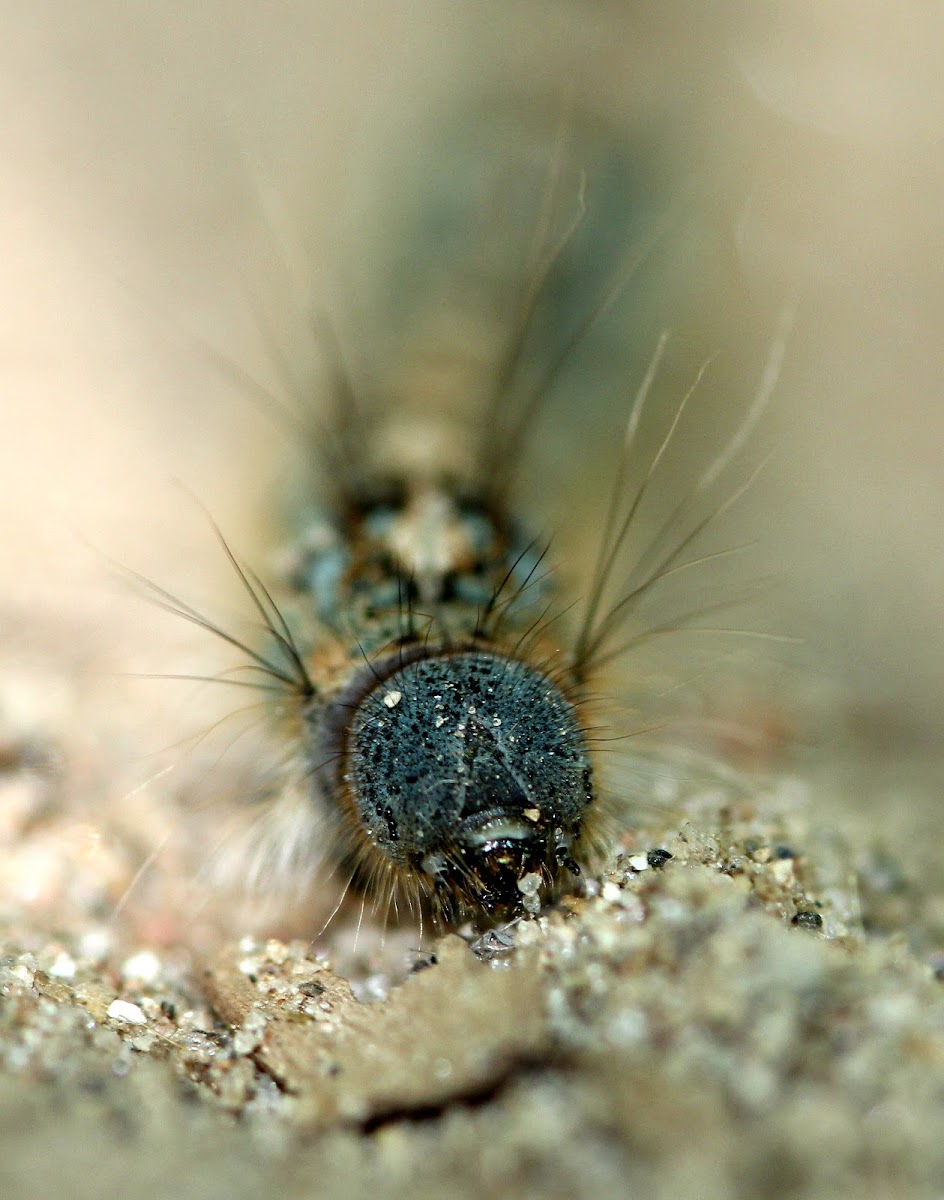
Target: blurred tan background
point(806, 141)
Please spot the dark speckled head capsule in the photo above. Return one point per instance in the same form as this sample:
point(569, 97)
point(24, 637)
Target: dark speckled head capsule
point(467, 773)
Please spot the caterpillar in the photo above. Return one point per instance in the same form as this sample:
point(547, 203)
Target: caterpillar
point(436, 686)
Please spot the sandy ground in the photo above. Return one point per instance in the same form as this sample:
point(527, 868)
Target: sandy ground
point(758, 1015)
point(737, 1006)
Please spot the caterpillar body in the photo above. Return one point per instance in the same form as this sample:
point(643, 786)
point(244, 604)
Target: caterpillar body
point(434, 685)
point(441, 725)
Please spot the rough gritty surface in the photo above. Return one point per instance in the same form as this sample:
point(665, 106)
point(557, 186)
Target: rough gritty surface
point(709, 1018)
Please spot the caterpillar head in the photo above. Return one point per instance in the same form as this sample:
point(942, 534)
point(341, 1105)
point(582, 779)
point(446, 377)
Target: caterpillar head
point(465, 773)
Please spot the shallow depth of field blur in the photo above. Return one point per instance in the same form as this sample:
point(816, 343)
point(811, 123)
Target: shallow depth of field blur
point(161, 165)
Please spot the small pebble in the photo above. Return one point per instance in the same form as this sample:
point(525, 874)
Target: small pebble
point(126, 1012)
point(807, 920)
point(529, 886)
point(63, 967)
